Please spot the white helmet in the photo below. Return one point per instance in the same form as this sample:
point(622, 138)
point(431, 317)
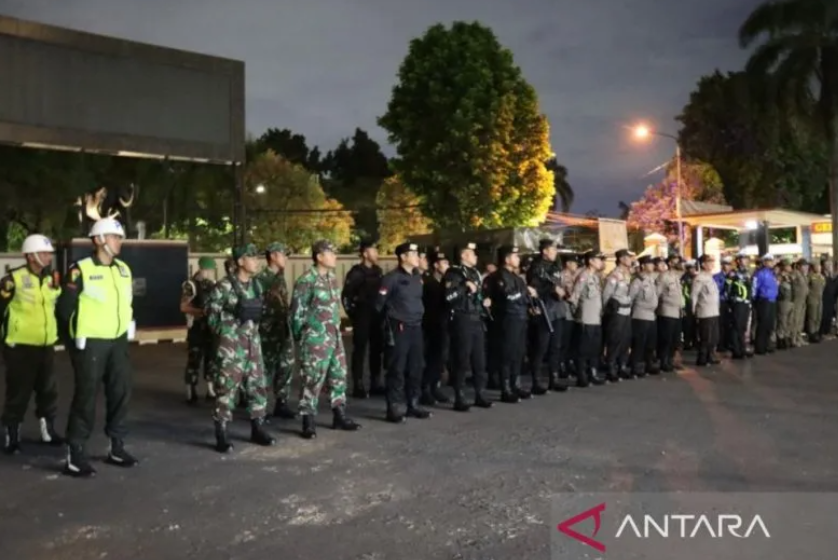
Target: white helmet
point(37, 244)
point(107, 226)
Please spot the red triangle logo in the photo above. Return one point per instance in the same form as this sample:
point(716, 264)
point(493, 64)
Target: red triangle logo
point(596, 513)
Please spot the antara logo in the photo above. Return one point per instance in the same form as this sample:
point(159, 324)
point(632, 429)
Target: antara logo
point(684, 526)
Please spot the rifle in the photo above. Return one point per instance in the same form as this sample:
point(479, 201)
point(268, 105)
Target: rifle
point(537, 307)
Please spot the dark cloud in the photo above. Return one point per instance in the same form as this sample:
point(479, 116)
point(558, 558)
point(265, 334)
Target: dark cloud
point(323, 67)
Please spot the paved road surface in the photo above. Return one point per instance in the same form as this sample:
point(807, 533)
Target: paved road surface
point(470, 486)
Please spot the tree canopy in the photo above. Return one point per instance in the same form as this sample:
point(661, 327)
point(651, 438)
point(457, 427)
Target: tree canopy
point(564, 192)
point(471, 140)
point(399, 214)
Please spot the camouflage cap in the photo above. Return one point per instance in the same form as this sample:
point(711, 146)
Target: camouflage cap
point(322, 246)
point(277, 247)
point(206, 263)
point(248, 250)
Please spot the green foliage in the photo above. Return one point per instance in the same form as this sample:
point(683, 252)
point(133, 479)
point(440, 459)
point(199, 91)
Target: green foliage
point(564, 192)
point(470, 139)
point(765, 156)
point(293, 208)
point(291, 146)
point(399, 215)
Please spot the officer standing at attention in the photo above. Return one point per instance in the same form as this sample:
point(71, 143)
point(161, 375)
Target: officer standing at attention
point(800, 294)
point(95, 310)
point(705, 301)
point(435, 330)
point(360, 290)
point(29, 331)
point(785, 306)
point(463, 294)
point(739, 299)
point(814, 303)
point(234, 311)
point(670, 310)
point(200, 343)
point(586, 300)
point(423, 261)
point(400, 303)
point(616, 304)
point(274, 329)
point(688, 320)
point(510, 297)
point(546, 329)
point(567, 354)
point(765, 290)
point(644, 304)
point(720, 278)
point(315, 327)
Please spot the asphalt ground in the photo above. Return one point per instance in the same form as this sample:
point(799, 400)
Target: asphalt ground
point(466, 486)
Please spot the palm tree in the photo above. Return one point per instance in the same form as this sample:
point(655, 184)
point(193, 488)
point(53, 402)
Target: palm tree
point(800, 50)
point(564, 192)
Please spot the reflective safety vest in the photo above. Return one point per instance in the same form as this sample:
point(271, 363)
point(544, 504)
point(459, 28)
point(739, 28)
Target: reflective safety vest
point(30, 316)
point(105, 302)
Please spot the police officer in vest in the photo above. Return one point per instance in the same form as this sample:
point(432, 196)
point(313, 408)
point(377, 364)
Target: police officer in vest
point(28, 330)
point(95, 310)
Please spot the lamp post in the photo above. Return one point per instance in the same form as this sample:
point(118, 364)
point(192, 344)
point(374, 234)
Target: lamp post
point(643, 132)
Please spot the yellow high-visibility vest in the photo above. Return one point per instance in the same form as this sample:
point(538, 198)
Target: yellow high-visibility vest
point(30, 316)
point(105, 308)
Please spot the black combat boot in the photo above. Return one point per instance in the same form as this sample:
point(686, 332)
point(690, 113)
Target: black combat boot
point(460, 404)
point(48, 433)
point(282, 410)
point(701, 360)
point(12, 444)
point(117, 455)
point(192, 394)
point(480, 400)
point(394, 415)
point(416, 411)
point(506, 394)
point(77, 464)
point(439, 396)
point(596, 377)
point(259, 435)
point(427, 398)
point(557, 383)
point(611, 373)
point(222, 442)
point(522, 393)
point(582, 379)
point(309, 427)
point(653, 369)
point(537, 387)
point(342, 422)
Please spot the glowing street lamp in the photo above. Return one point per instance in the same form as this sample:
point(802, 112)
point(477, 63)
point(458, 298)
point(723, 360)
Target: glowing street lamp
point(643, 132)
point(260, 189)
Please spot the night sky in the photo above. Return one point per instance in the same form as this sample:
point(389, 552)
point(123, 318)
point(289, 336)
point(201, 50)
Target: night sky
point(323, 67)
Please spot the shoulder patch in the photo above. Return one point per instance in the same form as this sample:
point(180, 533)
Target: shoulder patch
point(75, 274)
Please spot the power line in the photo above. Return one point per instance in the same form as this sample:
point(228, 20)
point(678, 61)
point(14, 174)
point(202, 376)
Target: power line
point(326, 210)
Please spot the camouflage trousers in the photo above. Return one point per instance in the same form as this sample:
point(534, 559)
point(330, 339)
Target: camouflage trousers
point(240, 366)
point(278, 356)
point(322, 361)
point(201, 354)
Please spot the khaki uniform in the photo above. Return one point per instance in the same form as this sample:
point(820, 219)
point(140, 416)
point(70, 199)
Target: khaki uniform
point(586, 302)
point(704, 298)
point(785, 310)
point(644, 304)
point(814, 304)
point(800, 293)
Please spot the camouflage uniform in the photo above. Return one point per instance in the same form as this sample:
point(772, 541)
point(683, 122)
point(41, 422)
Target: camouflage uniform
point(199, 339)
point(277, 346)
point(315, 324)
point(239, 358)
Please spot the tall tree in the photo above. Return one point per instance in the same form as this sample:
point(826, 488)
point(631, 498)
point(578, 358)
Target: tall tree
point(764, 157)
point(355, 170)
point(291, 205)
point(800, 48)
point(399, 214)
point(655, 211)
point(563, 199)
point(291, 146)
point(471, 141)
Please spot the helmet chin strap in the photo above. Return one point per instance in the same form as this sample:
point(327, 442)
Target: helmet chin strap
point(38, 260)
point(106, 247)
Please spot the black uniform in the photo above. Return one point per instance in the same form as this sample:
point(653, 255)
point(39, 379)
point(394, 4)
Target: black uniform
point(738, 288)
point(200, 342)
point(467, 335)
point(510, 301)
point(435, 327)
point(360, 289)
point(688, 322)
point(400, 302)
point(545, 329)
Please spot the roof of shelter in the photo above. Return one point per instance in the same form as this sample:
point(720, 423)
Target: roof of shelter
point(746, 219)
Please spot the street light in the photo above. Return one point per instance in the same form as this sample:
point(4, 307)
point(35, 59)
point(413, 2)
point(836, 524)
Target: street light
point(642, 132)
point(260, 189)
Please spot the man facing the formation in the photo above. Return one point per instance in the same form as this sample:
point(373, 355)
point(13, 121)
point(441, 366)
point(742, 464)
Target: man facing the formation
point(199, 340)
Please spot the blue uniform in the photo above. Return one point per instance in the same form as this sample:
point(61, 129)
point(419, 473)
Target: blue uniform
point(765, 285)
point(765, 289)
point(719, 278)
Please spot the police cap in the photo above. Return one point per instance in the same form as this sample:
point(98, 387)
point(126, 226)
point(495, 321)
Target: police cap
point(644, 260)
point(705, 258)
point(247, 250)
point(593, 254)
point(673, 257)
point(469, 247)
point(690, 263)
point(545, 243)
point(622, 253)
point(768, 257)
point(505, 251)
point(436, 256)
point(657, 260)
point(727, 259)
point(406, 247)
point(322, 246)
point(366, 244)
point(803, 262)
